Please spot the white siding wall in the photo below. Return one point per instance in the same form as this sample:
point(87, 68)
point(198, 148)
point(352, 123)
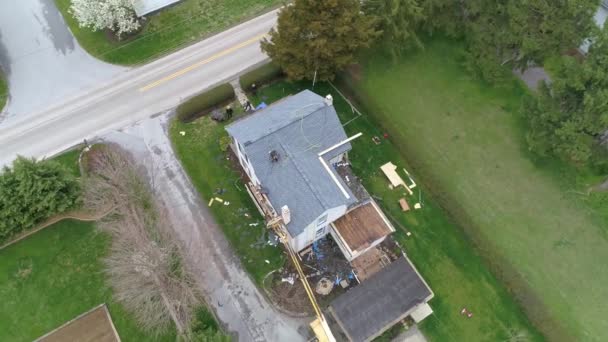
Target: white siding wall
point(245, 162)
point(309, 235)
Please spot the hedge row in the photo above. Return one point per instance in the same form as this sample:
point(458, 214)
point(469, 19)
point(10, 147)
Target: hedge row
point(202, 103)
point(264, 74)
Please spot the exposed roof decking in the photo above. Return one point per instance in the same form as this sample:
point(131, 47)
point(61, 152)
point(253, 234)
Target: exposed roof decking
point(362, 226)
point(372, 307)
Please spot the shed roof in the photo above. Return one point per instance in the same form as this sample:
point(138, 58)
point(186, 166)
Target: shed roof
point(298, 128)
point(381, 301)
point(143, 7)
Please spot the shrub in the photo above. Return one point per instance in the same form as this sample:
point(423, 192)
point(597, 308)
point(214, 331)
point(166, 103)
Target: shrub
point(206, 329)
point(31, 191)
point(264, 74)
point(225, 142)
point(204, 102)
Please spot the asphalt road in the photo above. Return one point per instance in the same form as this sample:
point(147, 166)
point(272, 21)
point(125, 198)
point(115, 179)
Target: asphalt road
point(136, 94)
point(42, 60)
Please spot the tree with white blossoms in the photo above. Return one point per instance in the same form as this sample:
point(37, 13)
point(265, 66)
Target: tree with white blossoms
point(116, 15)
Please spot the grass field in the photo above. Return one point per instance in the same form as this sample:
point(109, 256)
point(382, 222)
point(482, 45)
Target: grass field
point(204, 162)
point(54, 276)
point(171, 28)
point(69, 159)
point(439, 250)
point(3, 91)
point(531, 220)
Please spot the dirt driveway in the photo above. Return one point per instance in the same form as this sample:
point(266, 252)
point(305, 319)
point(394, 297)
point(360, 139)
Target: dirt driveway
point(240, 306)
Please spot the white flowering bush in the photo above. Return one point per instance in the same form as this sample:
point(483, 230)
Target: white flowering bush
point(116, 15)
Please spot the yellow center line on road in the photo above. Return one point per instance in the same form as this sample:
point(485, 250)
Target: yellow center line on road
point(201, 63)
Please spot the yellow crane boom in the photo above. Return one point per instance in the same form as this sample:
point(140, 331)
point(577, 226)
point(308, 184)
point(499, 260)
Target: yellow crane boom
point(319, 326)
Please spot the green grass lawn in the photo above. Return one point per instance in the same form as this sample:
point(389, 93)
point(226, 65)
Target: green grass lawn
point(69, 159)
point(171, 28)
point(200, 155)
point(439, 250)
point(3, 91)
point(54, 276)
point(530, 220)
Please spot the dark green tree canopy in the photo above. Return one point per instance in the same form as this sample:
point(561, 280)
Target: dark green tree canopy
point(542, 28)
point(319, 36)
point(520, 33)
point(398, 21)
point(31, 191)
point(568, 116)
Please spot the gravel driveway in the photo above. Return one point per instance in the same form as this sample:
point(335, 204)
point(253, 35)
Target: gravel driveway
point(41, 59)
point(240, 306)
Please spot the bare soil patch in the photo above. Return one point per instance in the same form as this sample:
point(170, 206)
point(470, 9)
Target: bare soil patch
point(93, 326)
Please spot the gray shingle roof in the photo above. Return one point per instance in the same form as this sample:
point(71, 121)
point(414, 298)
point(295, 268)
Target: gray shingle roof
point(298, 128)
point(143, 7)
point(378, 302)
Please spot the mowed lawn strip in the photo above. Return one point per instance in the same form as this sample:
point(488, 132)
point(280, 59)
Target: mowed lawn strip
point(465, 140)
point(214, 176)
point(56, 275)
point(439, 250)
point(167, 30)
point(3, 90)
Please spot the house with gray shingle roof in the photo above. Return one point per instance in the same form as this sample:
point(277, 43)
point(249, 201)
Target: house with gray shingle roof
point(294, 153)
point(289, 151)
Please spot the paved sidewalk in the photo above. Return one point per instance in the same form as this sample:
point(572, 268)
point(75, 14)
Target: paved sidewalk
point(238, 303)
point(533, 76)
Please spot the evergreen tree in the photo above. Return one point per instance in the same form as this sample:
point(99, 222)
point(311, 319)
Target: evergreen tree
point(520, 33)
point(446, 16)
point(32, 191)
point(541, 28)
point(486, 24)
point(319, 37)
point(398, 20)
point(569, 116)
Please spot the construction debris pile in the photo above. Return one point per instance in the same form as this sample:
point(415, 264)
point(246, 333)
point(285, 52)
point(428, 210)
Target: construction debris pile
point(324, 259)
point(351, 180)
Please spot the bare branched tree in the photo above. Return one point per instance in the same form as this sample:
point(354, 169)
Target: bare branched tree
point(144, 265)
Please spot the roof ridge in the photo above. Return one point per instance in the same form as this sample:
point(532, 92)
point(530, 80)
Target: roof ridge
point(299, 119)
point(320, 103)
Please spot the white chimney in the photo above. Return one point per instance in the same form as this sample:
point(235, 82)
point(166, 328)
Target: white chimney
point(329, 100)
point(286, 214)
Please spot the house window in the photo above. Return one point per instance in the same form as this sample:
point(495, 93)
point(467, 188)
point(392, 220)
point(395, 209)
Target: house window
point(320, 232)
point(322, 220)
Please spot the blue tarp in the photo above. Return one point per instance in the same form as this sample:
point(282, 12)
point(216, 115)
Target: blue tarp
point(261, 106)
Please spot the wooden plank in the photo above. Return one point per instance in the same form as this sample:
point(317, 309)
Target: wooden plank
point(390, 170)
point(404, 205)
